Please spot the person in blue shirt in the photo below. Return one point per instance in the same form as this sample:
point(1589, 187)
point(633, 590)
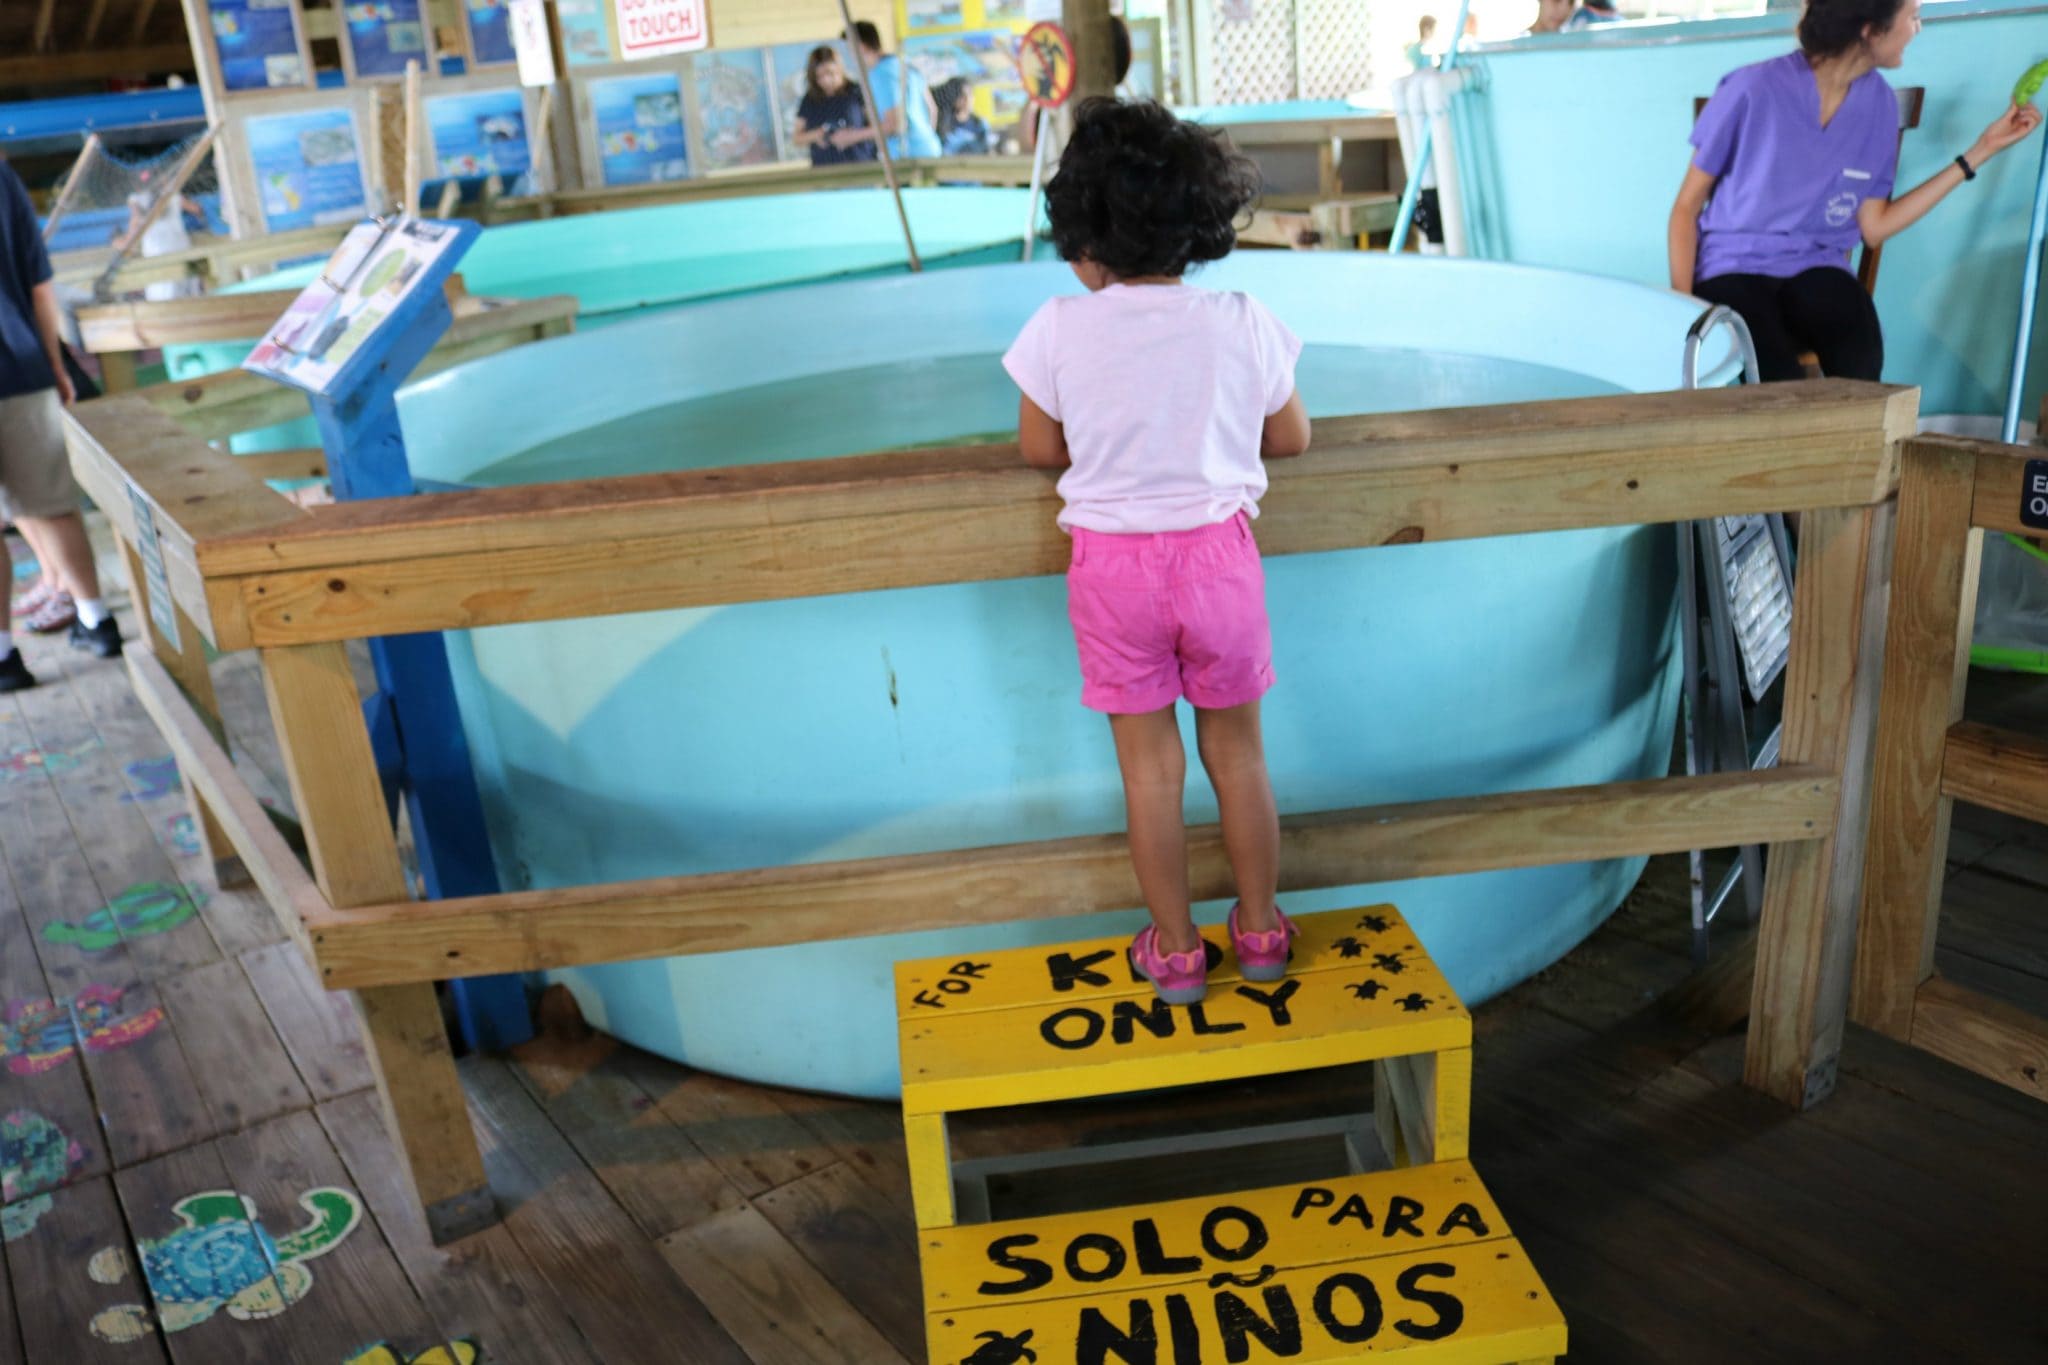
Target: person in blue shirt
point(902, 100)
point(36, 489)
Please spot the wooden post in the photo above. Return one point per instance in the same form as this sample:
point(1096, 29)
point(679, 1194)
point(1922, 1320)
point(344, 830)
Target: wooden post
point(318, 714)
point(185, 660)
point(1806, 941)
point(1934, 589)
point(413, 134)
point(72, 182)
point(1088, 26)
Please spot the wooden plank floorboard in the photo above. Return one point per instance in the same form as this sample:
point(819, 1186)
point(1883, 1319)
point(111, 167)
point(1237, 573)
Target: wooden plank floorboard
point(358, 1293)
point(114, 835)
point(241, 1067)
point(745, 1132)
point(1995, 919)
point(56, 1292)
point(861, 1242)
point(774, 1303)
point(11, 1349)
point(483, 1287)
point(239, 918)
point(57, 1092)
point(650, 1165)
point(319, 1027)
point(616, 1287)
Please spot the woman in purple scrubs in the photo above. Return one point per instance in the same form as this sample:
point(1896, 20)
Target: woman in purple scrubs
point(1793, 165)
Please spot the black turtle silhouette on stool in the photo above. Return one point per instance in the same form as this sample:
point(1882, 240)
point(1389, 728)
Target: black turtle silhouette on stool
point(997, 1349)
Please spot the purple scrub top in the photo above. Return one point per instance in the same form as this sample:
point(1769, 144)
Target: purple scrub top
point(1788, 189)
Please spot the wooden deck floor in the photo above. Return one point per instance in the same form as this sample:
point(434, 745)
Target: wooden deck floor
point(654, 1215)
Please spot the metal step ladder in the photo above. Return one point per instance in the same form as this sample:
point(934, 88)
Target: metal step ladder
point(1736, 577)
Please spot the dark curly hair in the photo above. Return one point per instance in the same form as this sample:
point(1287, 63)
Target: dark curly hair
point(1140, 192)
point(1829, 28)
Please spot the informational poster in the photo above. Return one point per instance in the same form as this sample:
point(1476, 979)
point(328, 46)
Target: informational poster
point(383, 35)
point(258, 44)
point(735, 116)
point(490, 32)
point(640, 128)
point(483, 133)
point(309, 168)
point(986, 60)
point(372, 271)
point(531, 42)
point(921, 16)
point(586, 31)
point(661, 28)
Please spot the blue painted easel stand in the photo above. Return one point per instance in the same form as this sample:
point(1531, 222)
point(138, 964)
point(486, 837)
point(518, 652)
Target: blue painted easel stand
point(415, 728)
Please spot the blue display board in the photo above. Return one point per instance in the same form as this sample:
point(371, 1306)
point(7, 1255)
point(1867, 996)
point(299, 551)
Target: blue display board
point(480, 134)
point(640, 128)
point(490, 33)
point(735, 116)
point(586, 31)
point(309, 168)
point(384, 35)
point(258, 43)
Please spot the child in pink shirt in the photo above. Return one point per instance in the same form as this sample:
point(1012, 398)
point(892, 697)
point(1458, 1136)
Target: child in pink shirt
point(1159, 401)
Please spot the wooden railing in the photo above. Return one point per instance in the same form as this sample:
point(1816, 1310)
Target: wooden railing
point(1929, 757)
point(246, 569)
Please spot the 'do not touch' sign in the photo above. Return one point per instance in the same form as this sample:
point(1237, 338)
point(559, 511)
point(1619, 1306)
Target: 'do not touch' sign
point(661, 28)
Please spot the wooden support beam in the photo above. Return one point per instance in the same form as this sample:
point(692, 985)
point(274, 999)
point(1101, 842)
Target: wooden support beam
point(1997, 769)
point(768, 907)
point(810, 528)
point(46, 12)
point(1806, 941)
point(192, 490)
point(145, 10)
point(2000, 468)
point(1984, 1035)
point(142, 326)
point(1933, 596)
point(64, 68)
point(204, 764)
point(354, 849)
point(93, 19)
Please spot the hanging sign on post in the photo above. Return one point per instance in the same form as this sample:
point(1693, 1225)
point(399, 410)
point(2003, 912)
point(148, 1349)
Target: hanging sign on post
point(1045, 59)
point(530, 40)
point(661, 28)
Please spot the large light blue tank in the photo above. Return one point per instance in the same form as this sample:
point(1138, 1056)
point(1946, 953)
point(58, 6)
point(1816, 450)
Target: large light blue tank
point(949, 717)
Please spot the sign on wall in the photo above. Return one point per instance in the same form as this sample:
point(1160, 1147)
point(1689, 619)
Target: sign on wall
point(661, 28)
point(489, 23)
point(258, 44)
point(586, 31)
point(640, 128)
point(530, 41)
point(481, 133)
point(380, 37)
point(309, 168)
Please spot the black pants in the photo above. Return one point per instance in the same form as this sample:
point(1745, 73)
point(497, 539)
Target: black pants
point(1822, 310)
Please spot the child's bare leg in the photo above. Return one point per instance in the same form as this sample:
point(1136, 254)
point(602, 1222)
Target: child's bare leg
point(1155, 772)
point(1234, 753)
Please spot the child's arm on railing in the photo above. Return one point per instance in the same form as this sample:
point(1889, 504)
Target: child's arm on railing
point(1043, 440)
point(1286, 432)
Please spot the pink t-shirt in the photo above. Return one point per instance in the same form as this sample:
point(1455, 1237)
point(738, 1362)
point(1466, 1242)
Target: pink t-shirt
point(1163, 391)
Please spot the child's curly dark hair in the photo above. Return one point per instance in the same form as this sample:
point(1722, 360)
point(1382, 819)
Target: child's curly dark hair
point(1140, 192)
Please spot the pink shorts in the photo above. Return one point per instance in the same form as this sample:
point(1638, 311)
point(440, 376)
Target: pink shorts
point(1171, 615)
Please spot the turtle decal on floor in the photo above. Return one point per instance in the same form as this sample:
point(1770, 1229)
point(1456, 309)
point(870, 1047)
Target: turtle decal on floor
point(37, 1035)
point(144, 908)
point(35, 1156)
point(463, 1352)
point(223, 1258)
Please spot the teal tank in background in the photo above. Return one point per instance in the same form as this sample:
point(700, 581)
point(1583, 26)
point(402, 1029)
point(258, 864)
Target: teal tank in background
point(949, 717)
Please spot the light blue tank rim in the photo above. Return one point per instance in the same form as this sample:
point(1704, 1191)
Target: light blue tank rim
point(1463, 307)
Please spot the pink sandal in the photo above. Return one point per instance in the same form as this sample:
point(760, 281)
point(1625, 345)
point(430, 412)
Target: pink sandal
point(1262, 956)
point(1180, 978)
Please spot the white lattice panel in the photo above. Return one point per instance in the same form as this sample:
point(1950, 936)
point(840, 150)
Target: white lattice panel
point(1254, 50)
point(1335, 48)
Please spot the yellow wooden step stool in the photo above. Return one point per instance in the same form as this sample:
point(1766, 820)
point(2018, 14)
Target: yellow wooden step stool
point(1415, 1259)
point(1031, 1025)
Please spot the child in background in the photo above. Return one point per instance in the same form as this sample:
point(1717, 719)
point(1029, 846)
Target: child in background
point(1159, 401)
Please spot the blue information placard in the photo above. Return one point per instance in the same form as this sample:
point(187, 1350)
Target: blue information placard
point(258, 43)
point(586, 31)
point(490, 33)
point(480, 134)
point(640, 128)
point(384, 35)
point(309, 168)
point(735, 114)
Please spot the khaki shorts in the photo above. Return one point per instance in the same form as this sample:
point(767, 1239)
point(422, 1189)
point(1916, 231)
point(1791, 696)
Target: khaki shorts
point(35, 470)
